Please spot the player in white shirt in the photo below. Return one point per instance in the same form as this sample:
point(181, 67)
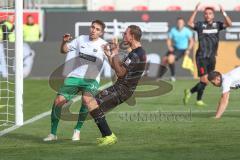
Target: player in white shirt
point(84, 76)
point(228, 81)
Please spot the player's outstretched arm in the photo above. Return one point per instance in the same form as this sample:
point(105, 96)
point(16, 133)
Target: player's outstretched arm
point(64, 48)
point(227, 19)
point(192, 17)
point(223, 102)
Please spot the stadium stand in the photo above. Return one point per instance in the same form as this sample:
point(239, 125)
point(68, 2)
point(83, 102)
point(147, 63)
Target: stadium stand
point(140, 8)
point(120, 5)
point(107, 8)
point(237, 8)
point(174, 8)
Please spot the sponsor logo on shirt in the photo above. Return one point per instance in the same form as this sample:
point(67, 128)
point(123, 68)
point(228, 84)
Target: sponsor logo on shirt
point(87, 57)
point(210, 31)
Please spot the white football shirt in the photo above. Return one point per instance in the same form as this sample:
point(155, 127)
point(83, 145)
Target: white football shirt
point(231, 80)
point(88, 58)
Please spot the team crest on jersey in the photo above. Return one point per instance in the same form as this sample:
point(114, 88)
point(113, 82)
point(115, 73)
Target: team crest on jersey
point(104, 92)
point(95, 50)
point(127, 61)
point(214, 25)
point(204, 26)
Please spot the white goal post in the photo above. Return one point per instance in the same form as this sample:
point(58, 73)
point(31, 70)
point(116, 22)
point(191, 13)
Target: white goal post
point(19, 62)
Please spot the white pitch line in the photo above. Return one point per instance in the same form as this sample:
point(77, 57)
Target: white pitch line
point(37, 117)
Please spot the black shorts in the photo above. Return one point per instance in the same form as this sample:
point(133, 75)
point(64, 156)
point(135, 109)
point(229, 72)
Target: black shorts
point(111, 97)
point(205, 65)
point(178, 53)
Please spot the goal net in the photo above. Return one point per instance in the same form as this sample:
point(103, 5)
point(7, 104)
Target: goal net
point(11, 79)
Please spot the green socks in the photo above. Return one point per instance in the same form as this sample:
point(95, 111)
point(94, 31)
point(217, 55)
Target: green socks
point(56, 113)
point(82, 117)
point(55, 116)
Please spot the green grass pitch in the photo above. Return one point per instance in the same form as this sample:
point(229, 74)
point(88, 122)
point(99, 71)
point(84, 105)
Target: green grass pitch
point(196, 136)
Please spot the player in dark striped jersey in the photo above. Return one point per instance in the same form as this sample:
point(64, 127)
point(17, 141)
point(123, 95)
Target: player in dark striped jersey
point(129, 72)
point(208, 38)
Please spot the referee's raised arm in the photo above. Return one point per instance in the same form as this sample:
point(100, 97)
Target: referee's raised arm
point(192, 18)
point(64, 48)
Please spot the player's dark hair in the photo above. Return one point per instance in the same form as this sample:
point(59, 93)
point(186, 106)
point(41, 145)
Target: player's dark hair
point(212, 75)
point(180, 18)
point(136, 32)
point(209, 8)
point(101, 23)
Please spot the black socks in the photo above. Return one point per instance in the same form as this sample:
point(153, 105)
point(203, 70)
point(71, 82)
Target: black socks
point(199, 88)
point(101, 122)
point(172, 69)
point(162, 70)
